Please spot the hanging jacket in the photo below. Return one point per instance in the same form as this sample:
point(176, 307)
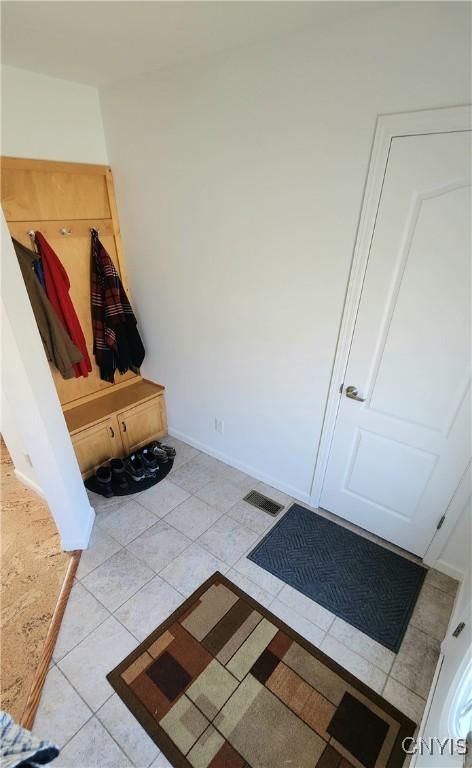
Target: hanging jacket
point(116, 340)
point(57, 289)
point(59, 347)
point(38, 268)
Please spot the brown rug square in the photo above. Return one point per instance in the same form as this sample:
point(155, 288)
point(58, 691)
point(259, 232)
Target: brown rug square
point(223, 683)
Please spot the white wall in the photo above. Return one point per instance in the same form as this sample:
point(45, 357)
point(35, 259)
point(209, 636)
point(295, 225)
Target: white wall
point(455, 558)
point(240, 181)
point(18, 453)
point(29, 389)
point(450, 550)
point(50, 119)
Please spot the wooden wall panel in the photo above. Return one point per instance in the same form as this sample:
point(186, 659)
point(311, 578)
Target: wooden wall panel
point(51, 197)
point(40, 195)
point(75, 256)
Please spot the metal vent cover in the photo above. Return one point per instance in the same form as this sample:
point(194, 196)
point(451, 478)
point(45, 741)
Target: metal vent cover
point(263, 502)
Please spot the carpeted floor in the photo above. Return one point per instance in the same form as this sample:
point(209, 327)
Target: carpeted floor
point(33, 570)
point(225, 684)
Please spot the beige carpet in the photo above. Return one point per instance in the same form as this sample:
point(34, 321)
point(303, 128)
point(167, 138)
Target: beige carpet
point(33, 570)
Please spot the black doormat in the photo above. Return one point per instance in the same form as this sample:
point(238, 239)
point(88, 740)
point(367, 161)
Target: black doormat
point(367, 585)
point(133, 486)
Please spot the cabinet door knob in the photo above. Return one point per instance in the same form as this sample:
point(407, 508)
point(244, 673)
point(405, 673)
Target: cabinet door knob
point(123, 424)
point(112, 433)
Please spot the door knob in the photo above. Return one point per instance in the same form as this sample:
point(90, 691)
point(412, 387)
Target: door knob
point(353, 393)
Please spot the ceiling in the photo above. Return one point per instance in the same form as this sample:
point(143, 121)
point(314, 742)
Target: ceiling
point(110, 40)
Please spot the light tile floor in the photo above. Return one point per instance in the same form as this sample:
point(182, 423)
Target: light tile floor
point(150, 552)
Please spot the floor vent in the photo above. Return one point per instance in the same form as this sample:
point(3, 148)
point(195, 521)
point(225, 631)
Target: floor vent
point(263, 502)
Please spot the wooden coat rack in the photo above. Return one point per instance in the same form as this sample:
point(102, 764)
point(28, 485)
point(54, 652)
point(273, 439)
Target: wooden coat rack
point(64, 201)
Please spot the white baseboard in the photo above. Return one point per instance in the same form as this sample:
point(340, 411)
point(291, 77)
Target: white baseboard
point(429, 701)
point(82, 542)
point(449, 570)
point(25, 480)
point(248, 469)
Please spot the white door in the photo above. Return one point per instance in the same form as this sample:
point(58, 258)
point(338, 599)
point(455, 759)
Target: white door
point(450, 715)
point(398, 454)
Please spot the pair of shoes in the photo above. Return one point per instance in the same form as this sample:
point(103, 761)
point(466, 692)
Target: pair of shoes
point(112, 472)
point(142, 464)
point(151, 465)
point(153, 455)
point(163, 452)
point(135, 468)
point(145, 462)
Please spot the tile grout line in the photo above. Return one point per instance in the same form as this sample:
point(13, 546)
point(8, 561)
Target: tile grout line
point(136, 592)
point(324, 629)
point(109, 533)
point(426, 634)
point(157, 573)
point(123, 548)
point(423, 701)
point(391, 677)
point(192, 541)
point(92, 714)
point(89, 706)
point(239, 525)
point(192, 496)
point(80, 578)
point(112, 736)
point(369, 661)
point(164, 518)
point(111, 614)
point(131, 762)
point(219, 475)
point(88, 633)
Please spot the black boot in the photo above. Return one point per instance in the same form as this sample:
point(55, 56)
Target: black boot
point(118, 470)
point(103, 478)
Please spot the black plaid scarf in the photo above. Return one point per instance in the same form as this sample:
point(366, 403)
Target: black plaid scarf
point(116, 340)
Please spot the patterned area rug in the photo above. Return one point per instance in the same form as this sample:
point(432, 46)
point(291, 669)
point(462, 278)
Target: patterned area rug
point(367, 585)
point(224, 684)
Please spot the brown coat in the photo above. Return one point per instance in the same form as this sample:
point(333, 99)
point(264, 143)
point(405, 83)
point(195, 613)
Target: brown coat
point(59, 347)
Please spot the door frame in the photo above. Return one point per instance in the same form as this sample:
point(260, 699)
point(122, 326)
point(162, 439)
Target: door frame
point(459, 500)
point(445, 120)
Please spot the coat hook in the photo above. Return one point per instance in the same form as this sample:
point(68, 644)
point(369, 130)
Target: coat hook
point(94, 229)
point(65, 231)
point(31, 233)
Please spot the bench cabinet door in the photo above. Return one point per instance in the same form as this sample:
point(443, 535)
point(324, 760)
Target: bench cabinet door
point(97, 444)
point(142, 423)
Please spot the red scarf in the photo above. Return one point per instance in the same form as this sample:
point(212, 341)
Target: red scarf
point(57, 289)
